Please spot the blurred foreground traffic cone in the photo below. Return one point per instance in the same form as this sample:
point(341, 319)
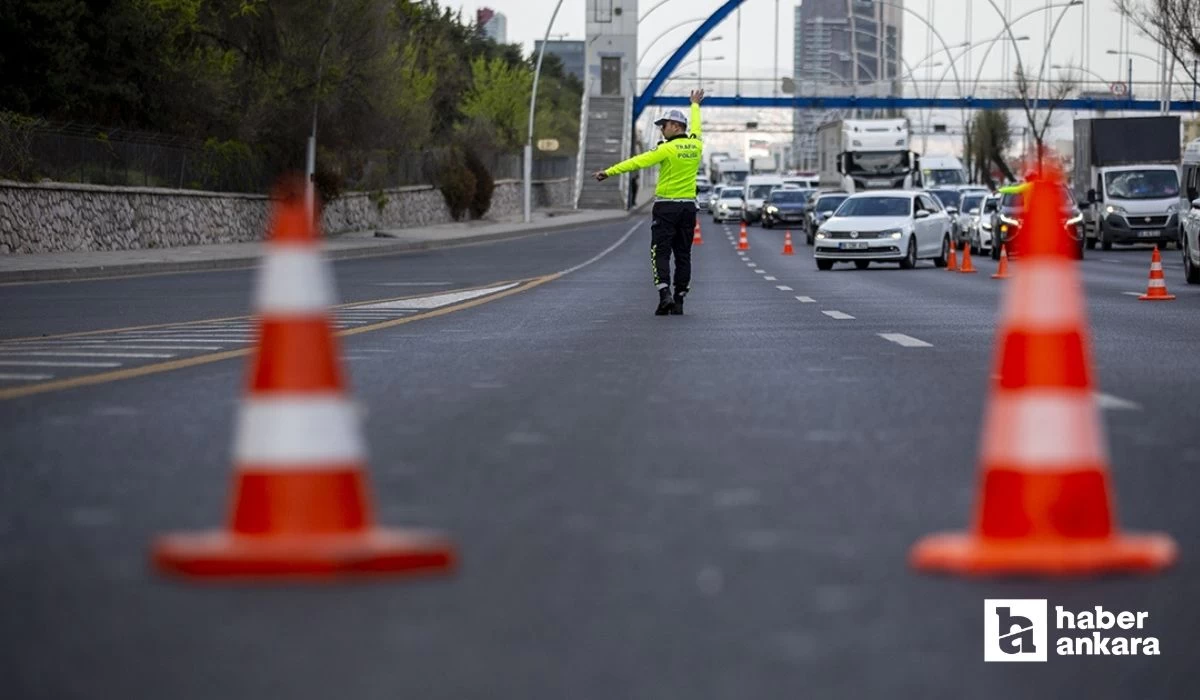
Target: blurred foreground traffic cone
point(1157, 288)
point(952, 265)
point(1045, 501)
point(967, 266)
point(787, 244)
point(300, 505)
point(697, 239)
point(743, 241)
point(1002, 273)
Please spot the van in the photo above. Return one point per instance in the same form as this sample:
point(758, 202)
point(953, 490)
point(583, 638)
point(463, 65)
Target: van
point(942, 172)
point(758, 188)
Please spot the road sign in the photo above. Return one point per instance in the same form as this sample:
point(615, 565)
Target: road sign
point(547, 144)
point(1119, 88)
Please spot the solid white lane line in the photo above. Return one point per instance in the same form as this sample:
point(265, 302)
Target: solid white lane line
point(59, 353)
point(39, 363)
point(606, 251)
point(412, 284)
point(193, 339)
point(1115, 403)
point(783, 288)
point(99, 346)
point(24, 377)
point(770, 279)
point(905, 340)
point(806, 300)
point(838, 315)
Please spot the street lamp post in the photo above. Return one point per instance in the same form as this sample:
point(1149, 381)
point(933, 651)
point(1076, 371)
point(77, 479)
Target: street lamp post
point(700, 55)
point(537, 72)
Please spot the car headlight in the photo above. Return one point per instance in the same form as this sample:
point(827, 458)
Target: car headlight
point(894, 235)
point(1075, 220)
point(1173, 209)
point(1114, 209)
point(821, 234)
point(772, 210)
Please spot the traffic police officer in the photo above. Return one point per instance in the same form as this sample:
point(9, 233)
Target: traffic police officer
point(674, 214)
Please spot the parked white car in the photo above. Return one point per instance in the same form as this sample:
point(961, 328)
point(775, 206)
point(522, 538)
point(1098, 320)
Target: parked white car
point(901, 226)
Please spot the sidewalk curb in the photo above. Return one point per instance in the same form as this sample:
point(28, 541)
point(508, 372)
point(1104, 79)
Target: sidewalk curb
point(66, 274)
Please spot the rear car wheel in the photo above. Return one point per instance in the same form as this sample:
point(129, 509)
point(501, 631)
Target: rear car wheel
point(862, 264)
point(910, 257)
point(824, 265)
point(944, 259)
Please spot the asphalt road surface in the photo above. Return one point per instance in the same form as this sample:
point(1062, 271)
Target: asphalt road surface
point(718, 505)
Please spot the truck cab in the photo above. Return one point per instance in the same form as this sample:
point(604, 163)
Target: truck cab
point(758, 188)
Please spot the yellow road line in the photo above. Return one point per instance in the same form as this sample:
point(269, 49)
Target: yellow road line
point(141, 371)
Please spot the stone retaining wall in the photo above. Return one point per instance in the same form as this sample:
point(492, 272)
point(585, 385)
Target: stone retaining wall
point(58, 217)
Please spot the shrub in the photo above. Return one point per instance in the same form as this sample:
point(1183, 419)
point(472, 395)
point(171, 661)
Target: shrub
point(457, 184)
point(485, 184)
point(329, 184)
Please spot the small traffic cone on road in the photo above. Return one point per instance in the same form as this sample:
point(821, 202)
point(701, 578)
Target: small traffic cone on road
point(787, 243)
point(743, 240)
point(1157, 288)
point(952, 265)
point(301, 507)
point(697, 239)
point(1045, 501)
point(967, 267)
point(1002, 273)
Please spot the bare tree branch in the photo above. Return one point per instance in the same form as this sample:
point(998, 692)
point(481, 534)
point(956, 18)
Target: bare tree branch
point(1174, 24)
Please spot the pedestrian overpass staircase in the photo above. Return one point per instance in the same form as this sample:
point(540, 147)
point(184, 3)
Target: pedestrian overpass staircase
point(605, 134)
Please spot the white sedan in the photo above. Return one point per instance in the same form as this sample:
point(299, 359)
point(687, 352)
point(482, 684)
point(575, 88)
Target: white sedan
point(899, 226)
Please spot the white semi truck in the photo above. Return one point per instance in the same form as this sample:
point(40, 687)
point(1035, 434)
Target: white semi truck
point(857, 155)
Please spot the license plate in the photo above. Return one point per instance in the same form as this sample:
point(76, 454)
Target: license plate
point(853, 245)
point(1149, 234)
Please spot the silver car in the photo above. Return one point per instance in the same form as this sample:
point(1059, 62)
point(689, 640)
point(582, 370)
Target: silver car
point(900, 226)
point(1189, 243)
point(703, 194)
point(969, 210)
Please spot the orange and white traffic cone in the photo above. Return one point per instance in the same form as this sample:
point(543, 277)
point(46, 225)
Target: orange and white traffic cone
point(1002, 272)
point(952, 265)
point(697, 238)
point(743, 240)
point(967, 266)
point(1157, 288)
point(301, 507)
point(787, 244)
point(1045, 501)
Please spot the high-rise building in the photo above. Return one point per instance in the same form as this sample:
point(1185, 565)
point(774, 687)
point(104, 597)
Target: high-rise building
point(573, 54)
point(847, 44)
point(494, 25)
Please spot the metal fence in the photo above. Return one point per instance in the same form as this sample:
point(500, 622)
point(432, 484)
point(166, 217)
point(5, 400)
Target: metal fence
point(33, 149)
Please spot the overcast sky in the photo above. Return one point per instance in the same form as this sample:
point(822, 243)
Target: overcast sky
point(527, 20)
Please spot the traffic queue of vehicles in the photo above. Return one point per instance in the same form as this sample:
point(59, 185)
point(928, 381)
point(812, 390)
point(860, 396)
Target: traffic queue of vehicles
point(1130, 183)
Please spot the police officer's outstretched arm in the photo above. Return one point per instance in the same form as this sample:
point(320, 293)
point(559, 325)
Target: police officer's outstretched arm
point(638, 162)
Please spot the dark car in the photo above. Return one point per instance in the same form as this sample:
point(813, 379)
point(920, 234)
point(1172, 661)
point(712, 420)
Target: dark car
point(785, 207)
point(1008, 221)
point(820, 207)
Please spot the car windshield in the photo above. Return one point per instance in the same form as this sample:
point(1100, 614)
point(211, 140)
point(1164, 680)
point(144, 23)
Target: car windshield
point(875, 206)
point(1016, 200)
point(731, 193)
point(1142, 184)
point(829, 203)
point(760, 191)
point(789, 196)
point(943, 177)
point(948, 198)
point(972, 201)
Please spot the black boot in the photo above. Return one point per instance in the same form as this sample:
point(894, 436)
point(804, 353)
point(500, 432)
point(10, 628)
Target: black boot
point(665, 306)
point(677, 309)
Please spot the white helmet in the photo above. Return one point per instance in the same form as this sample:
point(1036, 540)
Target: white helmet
point(672, 115)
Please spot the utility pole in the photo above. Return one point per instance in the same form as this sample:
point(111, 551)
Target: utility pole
point(775, 81)
point(737, 69)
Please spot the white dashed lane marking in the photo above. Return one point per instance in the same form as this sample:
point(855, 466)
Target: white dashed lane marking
point(769, 279)
point(806, 300)
point(906, 341)
point(1115, 403)
point(7, 377)
point(783, 288)
point(838, 315)
point(760, 272)
point(40, 363)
